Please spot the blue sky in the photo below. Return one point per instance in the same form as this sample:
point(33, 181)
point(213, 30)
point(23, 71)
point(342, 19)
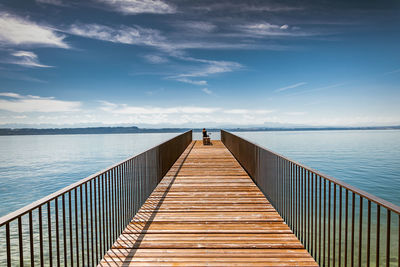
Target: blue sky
point(178, 63)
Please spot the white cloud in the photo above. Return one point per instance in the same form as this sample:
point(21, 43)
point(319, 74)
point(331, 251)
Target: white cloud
point(182, 115)
point(248, 111)
point(27, 59)
point(290, 87)
point(107, 106)
point(202, 44)
point(236, 111)
point(190, 81)
point(266, 29)
point(207, 91)
point(136, 35)
point(12, 95)
point(155, 59)
point(126, 109)
point(140, 6)
point(296, 113)
point(216, 119)
point(154, 92)
point(20, 117)
point(28, 103)
point(108, 113)
point(50, 2)
point(198, 26)
point(244, 6)
point(24, 54)
point(212, 67)
point(126, 35)
point(19, 31)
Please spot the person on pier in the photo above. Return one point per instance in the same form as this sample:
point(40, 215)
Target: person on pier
point(206, 138)
point(204, 133)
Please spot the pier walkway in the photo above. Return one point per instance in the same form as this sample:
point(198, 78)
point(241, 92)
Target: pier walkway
point(207, 211)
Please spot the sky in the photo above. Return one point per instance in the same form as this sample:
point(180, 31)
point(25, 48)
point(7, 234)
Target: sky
point(180, 63)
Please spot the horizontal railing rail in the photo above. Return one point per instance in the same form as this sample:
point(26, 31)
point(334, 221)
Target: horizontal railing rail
point(336, 222)
point(76, 225)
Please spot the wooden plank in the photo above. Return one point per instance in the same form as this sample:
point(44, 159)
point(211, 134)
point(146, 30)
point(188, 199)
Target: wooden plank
point(207, 211)
point(207, 227)
point(186, 207)
point(208, 216)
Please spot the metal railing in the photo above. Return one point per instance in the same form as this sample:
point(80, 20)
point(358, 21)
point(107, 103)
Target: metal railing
point(76, 225)
point(337, 223)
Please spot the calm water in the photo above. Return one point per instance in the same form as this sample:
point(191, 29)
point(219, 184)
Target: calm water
point(32, 167)
point(369, 160)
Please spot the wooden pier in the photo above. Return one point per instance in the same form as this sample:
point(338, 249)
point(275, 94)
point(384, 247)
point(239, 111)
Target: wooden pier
point(207, 211)
point(182, 203)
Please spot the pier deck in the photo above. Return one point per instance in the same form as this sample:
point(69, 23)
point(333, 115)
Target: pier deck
point(207, 211)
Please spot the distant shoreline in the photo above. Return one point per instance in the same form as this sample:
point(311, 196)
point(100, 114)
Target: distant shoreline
point(134, 129)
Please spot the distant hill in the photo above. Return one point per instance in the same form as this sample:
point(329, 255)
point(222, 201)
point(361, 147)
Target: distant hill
point(134, 129)
point(89, 130)
point(260, 129)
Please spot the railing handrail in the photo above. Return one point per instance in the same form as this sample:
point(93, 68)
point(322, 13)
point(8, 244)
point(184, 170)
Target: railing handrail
point(384, 203)
point(24, 210)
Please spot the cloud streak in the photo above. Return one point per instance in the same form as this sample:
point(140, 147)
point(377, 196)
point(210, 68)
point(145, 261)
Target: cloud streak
point(26, 59)
point(210, 67)
point(207, 91)
point(296, 113)
point(136, 35)
point(189, 81)
point(266, 29)
point(243, 6)
point(155, 59)
point(28, 103)
point(17, 31)
point(133, 7)
point(197, 26)
point(133, 35)
point(269, 30)
point(182, 115)
point(108, 113)
point(290, 87)
point(318, 89)
point(127, 109)
point(50, 2)
point(248, 111)
point(147, 110)
point(392, 72)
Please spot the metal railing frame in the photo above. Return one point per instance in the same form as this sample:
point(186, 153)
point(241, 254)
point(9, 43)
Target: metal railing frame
point(86, 217)
point(317, 207)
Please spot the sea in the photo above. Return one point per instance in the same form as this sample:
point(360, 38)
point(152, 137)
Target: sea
point(32, 167)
